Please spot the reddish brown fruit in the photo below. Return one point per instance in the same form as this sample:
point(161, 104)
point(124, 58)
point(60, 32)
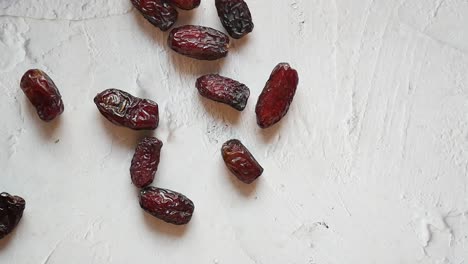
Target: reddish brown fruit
point(158, 12)
point(145, 161)
point(224, 90)
point(11, 211)
point(42, 93)
point(202, 43)
point(167, 205)
point(123, 109)
point(275, 99)
point(240, 161)
point(235, 17)
point(186, 4)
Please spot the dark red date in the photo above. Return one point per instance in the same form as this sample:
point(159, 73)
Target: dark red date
point(42, 93)
point(275, 99)
point(145, 161)
point(235, 17)
point(202, 43)
point(186, 4)
point(167, 205)
point(160, 13)
point(240, 161)
point(11, 211)
point(124, 109)
point(224, 90)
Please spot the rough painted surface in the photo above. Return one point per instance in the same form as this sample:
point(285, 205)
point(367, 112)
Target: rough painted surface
point(369, 166)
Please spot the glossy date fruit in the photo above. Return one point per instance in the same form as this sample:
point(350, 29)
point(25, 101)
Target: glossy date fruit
point(11, 211)
point(42, 93)
point(145, 161)
point(160, 13)
point(240, 161)
point(235, 17)
point(198, 42)
point(224, 90)
point(124, 109)
point(275, 99)
point(186, 4)
point(169, 206)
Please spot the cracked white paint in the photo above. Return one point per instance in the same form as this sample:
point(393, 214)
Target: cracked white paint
point(375, 146)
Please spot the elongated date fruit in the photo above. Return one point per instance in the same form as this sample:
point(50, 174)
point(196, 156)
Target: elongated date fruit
point(224, 90)
point(11, 211)
point(42, 93)
point(124, 109)
point(186, 4)
point(275, 99)
point(235, 17)
point(240, 161)
point(198, 42)
point(160, 13)
point(145, 161)
point(167, 205)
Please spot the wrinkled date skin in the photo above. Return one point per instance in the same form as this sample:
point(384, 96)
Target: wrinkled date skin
point(235, 17)
point(240, 161)
point(145, 161)
point(123, 109)
point(275, 99)
point(202, 43)
point(186, 4)
point(169, 206)
point(42, 93)
point(160, 13)
point(224, 90)
point(11, 211)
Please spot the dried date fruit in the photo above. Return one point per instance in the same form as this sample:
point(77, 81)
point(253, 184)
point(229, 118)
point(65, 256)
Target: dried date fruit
point(275, 99)
point(124, 109)
point(167, 205)
point(224, 90)
point(160, 13)
point(186, 4)
point(145, 161)
point(240, 161)
point(42, 93)
point(235, 17)
point(198, 42)
point(11, 211)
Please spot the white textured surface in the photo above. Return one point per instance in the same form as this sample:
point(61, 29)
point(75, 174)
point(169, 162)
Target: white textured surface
point(369, 166)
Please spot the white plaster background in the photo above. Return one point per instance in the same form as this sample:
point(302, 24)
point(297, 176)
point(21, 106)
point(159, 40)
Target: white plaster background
point(375, 146)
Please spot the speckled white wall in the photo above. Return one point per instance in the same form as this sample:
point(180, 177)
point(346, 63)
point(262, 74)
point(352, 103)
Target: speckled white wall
point(369, 166)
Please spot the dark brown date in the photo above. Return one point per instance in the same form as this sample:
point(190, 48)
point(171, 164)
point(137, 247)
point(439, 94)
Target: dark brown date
point(186, 4)
point(11, 211)
point(224, 90)
point(160, 13)
point(145, 161)
point(235, 17)
point(275, 99)
point(240, 161)
point(42, 93)
point(124, 109)
point(167, 205)
point(202, 43)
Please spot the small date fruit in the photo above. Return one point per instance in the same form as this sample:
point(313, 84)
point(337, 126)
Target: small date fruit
point(11, 211)
point(167, 205)
point(186, 4)
point(224, 90)
point(198, 42)
point(160, 13)
point(275, 99)
point(42, 93)
point(240, 161)
point(235, 17)
point(124, 109)
point(145, 161)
